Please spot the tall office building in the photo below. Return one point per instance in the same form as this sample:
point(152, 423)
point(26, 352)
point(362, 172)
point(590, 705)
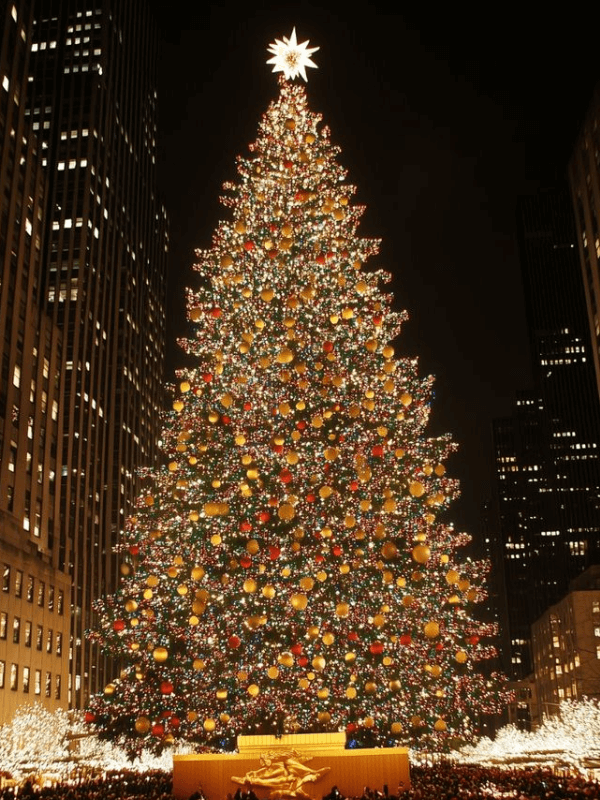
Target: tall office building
point(584, 179)
point(35, 586)
point(548, 452)
point(91, 104)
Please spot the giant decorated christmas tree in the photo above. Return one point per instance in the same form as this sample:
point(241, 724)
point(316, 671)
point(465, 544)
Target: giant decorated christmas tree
point(289, 567)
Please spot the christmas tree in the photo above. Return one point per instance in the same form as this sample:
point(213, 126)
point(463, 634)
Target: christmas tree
point(288, 567)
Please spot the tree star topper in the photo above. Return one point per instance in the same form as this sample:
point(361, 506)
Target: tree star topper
point(290, 57)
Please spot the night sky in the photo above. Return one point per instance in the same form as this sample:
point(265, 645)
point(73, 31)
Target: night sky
point(443, 119)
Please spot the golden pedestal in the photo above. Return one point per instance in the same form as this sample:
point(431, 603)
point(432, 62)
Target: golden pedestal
point(350, 770)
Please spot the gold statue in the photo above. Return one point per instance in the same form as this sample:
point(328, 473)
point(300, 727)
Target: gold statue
point(284, 772)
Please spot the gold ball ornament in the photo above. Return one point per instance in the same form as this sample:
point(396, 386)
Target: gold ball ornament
point(253, 690)
point(209, 725)
point(142, 725)
point(452, 577)
point(421, 553)
point(160, 654)
point(318, 663)
point(416, 489)
point(286, 512)
point(299, 601)
point(286, 659)
point(440, 725)
point(461, 657)
point(431, 630)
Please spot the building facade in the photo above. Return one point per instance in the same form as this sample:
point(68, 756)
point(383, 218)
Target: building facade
point(584, 180)
point(547, 453)
point(101, 249)
point(566, 646)
point(35, 591)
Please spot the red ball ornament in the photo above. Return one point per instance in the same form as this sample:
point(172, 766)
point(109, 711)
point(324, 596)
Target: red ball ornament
point(166, 687)
point(175, 722)
point(248, 246)
point(376, 648)
point(327, 347)
point(274, 552)
point(246, 526)
point(285, 476)
point(320, 259)
point(245, 561)
point(207, 377)
point(90, 717)
point(273, 254)
point(225, 419)
point(158, 729)
point(377, 451)
point(350, 727)
point(406, 639)
point(319, 559)
point(288, 164)
point(264, 516)
point(302, 661)
point(215, 312)
point(353, 636)
point(301, 424)
point(439, 646)
point(473, 639)
point(337, 550)
point(277, 448)
point(377, 320)
point(234, 642)
point(247, 406)
point(118, 625)
point(296, 649)
point(273, 501)
point(354, 486)
point(134, 549)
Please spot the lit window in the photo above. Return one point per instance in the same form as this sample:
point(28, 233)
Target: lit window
point(26, 673)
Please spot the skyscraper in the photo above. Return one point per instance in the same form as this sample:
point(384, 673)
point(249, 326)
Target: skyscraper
point(35, 586)
point(584, 179)
point(91, 104)
point(548, 452)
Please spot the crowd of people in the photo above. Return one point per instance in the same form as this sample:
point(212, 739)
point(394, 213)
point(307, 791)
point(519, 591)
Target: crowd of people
point(441, 781)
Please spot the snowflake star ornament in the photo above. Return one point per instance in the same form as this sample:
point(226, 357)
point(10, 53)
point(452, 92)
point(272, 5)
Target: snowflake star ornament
point(290, 57)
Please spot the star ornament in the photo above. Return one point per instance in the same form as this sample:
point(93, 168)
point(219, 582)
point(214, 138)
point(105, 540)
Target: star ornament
point(290, 57)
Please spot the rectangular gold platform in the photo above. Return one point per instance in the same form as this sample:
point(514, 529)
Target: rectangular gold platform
point(350, 770)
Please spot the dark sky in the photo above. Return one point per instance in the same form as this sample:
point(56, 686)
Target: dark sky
point(444, 119)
